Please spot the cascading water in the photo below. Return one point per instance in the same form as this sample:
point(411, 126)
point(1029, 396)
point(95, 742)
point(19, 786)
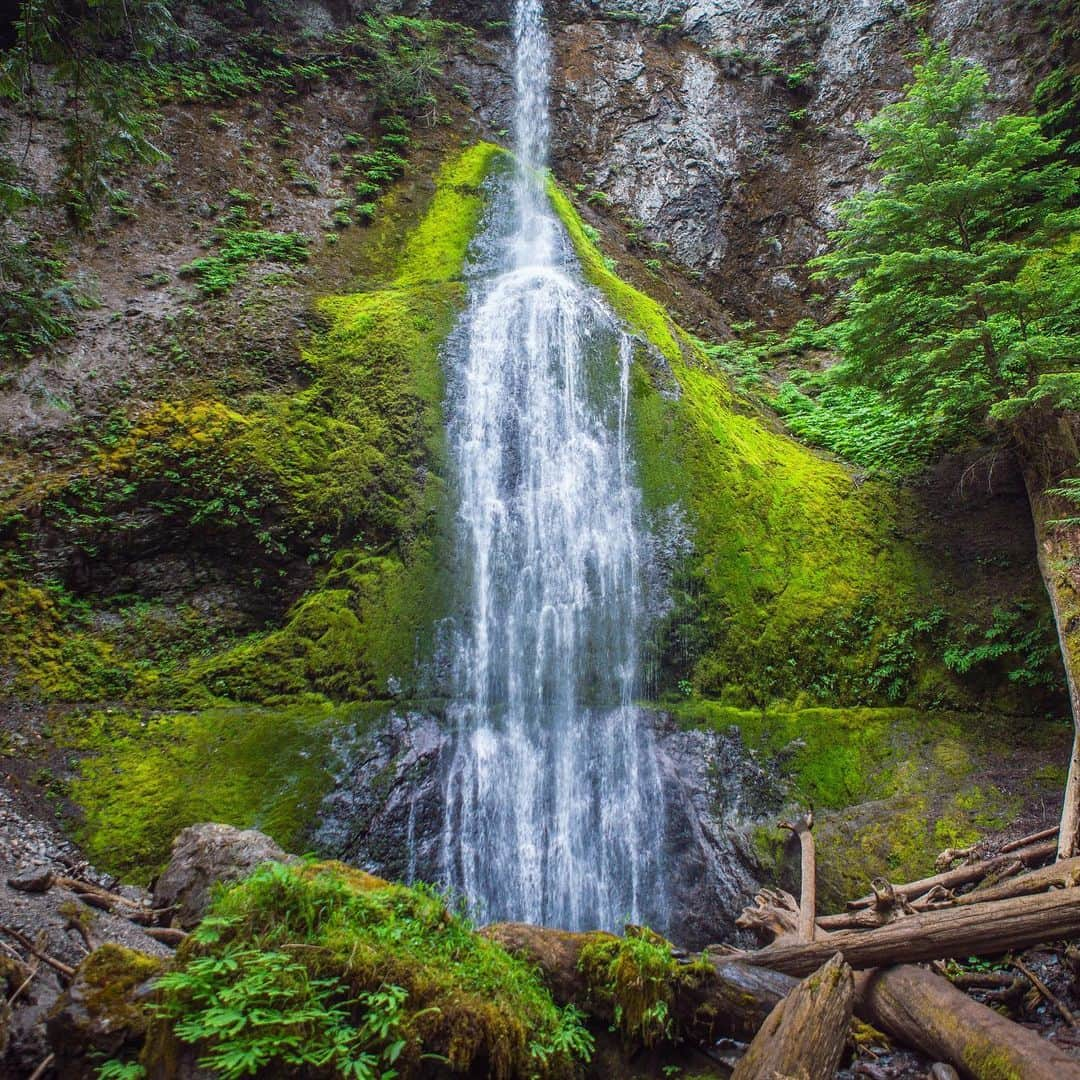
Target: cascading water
point(554, 802)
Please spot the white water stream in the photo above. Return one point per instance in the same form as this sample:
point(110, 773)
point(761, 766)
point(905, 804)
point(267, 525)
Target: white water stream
point(555, 809)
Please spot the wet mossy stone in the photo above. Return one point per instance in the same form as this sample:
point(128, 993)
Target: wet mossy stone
point(102, 1014)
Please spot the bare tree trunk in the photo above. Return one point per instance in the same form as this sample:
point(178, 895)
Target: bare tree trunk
point(1046, 544)
point(804, 1035)
point(808, 874)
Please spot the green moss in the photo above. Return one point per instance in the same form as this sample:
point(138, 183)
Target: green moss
point(146, 776)
point(637, 978)
point(434, 252)
point(46, 652)
point(460, 998)
point(891, 788)
point(784, 539)
point(108, 978)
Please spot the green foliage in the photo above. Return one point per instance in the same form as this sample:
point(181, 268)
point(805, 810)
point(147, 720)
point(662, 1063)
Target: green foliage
point(961, 288)
point(638, 977)
point(783, 540)
point(98, 55)
point(239, 249)
point(259, 1009)
point(325, 967)
point(861, 424)
point(1020, 639)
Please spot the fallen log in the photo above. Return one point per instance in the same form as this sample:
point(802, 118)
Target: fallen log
point(804, 1036)
point(963, 875)
point(976, 929)
point(924, 1010)
point(1063, 874)
point(1024, 841)
point(733, 1001)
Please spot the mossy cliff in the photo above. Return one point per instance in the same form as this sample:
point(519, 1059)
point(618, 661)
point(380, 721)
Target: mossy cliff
point(336, 485)
point(805, 613)
point(807, 609)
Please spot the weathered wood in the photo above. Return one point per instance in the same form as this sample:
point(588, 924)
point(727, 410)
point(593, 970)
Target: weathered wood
point(734, 1002)
point(807, 875)
point(773, 914)
point(1063, 874)
point(987, 928)
point(804, 1036)
point(1033, 838)
point(963, 875)
point(923, 1010)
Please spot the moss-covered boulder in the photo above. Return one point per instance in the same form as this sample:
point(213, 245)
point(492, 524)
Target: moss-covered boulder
point(322, 965)
point(102, 1014)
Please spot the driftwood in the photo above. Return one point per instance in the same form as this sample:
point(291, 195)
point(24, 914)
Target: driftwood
point(963, 875)
point(1034, 838)
point(804, 1036)
point(987, 928)
point(57, 965)
point(1044, 991)
point(923, 1010)
point(773, 914)
point(1063, 874)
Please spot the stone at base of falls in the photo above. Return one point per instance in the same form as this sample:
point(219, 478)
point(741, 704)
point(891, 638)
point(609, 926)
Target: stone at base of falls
point(202, 856)
point(386, 814)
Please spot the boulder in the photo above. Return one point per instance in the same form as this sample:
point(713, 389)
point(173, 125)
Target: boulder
point(202, 856)
point(100, 1015)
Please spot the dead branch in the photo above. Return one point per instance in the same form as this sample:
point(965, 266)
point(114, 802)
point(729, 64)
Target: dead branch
point(807, 874)
point(1034, 838)
point(951, 855)
point(963, 875)
point(1047, 994)
point(57, 965)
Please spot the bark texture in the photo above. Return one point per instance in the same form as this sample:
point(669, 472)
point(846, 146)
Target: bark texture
point(804, 1036)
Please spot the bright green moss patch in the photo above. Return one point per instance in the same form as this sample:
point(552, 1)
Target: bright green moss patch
point(891, 787)
point(147, 776)
point(640, 312)
point(638, 978)
point(47, 652)
point(435, 250)
point(783, 539)
point(321, 961)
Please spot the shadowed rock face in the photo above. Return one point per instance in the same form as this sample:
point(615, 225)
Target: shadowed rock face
point(387, 812)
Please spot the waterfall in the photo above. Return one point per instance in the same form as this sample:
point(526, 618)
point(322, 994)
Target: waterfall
point(554, 803)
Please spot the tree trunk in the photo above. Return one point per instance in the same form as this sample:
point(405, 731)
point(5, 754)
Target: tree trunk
point(804, 1036)
point(972, 930)
point(1062, 589)
point(923, 1010)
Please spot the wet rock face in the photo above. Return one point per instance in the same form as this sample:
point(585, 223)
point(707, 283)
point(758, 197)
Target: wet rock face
point(386, 812)
point(712, 788)
point(727, 128)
